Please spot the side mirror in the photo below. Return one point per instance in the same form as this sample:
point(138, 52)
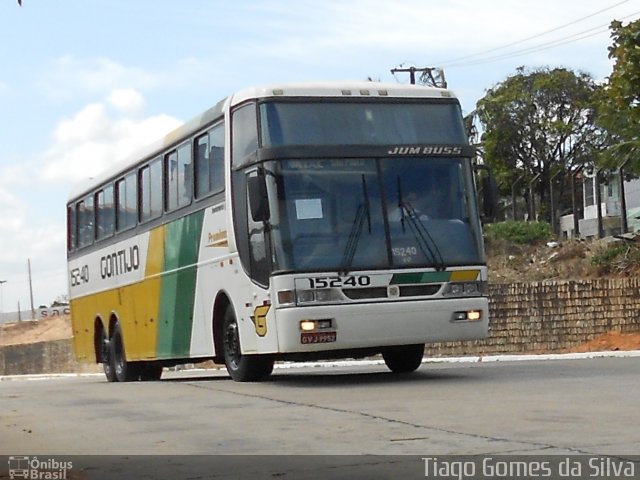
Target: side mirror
point(258, 198)
point(488, 193)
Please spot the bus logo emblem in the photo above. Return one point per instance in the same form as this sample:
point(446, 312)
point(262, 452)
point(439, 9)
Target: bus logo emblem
point(259, 319)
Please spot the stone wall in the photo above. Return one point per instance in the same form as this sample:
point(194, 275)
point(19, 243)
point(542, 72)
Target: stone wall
point(552, 316)
point(525, 318)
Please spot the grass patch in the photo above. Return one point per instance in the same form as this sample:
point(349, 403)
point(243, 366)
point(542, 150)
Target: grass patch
point(519, 232)
point(616, 257)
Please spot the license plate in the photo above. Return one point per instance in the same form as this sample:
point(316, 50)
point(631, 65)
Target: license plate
point(317, 337)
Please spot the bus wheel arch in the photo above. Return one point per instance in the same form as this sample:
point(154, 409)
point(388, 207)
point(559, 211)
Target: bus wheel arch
point(99, 335)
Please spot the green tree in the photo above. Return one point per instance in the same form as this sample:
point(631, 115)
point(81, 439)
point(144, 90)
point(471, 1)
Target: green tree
point(619, 108)
point(538, 123)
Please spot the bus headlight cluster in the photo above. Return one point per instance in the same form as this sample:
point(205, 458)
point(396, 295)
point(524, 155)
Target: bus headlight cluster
point(465, 289)
point(467, 316)
point(323, 295)
point(313, 325)
point(306, 297)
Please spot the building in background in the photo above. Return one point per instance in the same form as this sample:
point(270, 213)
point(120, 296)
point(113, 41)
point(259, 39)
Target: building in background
point(610, 204)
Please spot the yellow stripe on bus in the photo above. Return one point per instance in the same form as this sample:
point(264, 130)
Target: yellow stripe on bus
point(146, 298)
point(464, 275)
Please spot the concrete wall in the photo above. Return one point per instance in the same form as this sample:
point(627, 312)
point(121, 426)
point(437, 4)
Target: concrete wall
point(525, 318)
point(42, 357)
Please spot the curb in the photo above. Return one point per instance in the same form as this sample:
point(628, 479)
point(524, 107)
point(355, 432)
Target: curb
point(362, 363)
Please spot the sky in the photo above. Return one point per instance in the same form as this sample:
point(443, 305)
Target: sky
point(85, 83)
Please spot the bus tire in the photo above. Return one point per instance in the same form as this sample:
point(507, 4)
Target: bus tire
point(105, 357)
point(123, 370)
point(241, 368)
point(404, 358)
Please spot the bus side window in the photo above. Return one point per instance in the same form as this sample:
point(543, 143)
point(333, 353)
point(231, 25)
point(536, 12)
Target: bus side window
point(202, 170)
point(150, 194)
point(126, 202)
point(105, 213)
point(71, 228)
point(245, 134)
point(171, 179)
point(178, 168)
point(86, 220)
point(209, 162)
point(216, 159)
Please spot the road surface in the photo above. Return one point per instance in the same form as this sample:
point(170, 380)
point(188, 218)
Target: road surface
point(552, 407)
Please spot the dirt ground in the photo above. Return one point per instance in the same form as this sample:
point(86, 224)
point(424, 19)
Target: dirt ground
point(566, 260)
point(608, 342)
point(32, 331)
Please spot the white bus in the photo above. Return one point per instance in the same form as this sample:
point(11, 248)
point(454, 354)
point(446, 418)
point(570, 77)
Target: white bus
point(293, 222)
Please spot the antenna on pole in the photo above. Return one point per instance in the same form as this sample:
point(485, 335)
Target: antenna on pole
point(429, 76)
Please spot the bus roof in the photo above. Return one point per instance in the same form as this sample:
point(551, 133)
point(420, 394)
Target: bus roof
point(347, 89)
point(341, 89)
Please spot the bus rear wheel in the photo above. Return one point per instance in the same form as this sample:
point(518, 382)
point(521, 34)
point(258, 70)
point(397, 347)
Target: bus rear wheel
point(105, 357)
point(404, 358)
point(241, 368)
point(124, 371)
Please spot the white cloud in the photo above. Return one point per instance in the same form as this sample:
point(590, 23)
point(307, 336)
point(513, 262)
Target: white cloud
point(98, 136)
point(126, 100)
point(68, 76)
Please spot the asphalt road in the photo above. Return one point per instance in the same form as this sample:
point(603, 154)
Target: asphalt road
point(587, 406)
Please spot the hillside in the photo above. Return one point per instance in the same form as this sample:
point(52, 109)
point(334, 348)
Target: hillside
point(54, 328)
point(568, 260)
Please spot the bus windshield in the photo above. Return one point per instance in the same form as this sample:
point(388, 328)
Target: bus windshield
point(368, 213)
point(361, 123)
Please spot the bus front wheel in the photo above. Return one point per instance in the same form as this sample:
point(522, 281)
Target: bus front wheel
point(241, 368)
point(404, 358)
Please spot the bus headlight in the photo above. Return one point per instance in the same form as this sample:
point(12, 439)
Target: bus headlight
point(313, 325)
point(467, 316)
point(465, 289)
point(323, 295)
point(305, 296)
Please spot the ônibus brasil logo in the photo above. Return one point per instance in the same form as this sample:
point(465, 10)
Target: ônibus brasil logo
point(36, 469)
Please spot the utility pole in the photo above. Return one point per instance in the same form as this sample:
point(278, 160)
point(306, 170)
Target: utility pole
point(33, 310)
point(431, 76)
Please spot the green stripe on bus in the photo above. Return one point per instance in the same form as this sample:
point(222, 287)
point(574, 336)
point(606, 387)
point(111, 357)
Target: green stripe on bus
point(177, 295)
point(419, 277)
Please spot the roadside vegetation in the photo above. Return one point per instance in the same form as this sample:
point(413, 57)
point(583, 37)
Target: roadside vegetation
point(616, 258)
point(519, 232)
point(519, 251)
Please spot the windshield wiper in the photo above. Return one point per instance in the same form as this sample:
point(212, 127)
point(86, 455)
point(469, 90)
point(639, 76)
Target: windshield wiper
point(426, 243)
point(363, 213)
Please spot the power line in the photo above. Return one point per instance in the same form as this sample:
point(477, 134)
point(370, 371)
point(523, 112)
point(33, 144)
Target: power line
point(517, 42)
point(590, 32)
